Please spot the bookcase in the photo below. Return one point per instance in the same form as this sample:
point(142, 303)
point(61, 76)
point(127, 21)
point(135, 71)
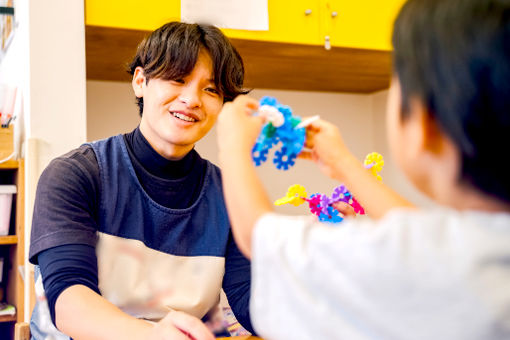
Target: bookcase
point(12, 248)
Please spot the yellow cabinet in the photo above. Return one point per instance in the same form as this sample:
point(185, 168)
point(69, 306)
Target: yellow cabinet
point(358, 24)
point(345, 23)
point(295, 21)
point(292, 22)
point(146, 15)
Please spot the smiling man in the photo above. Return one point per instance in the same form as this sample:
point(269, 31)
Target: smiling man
point(134, 227)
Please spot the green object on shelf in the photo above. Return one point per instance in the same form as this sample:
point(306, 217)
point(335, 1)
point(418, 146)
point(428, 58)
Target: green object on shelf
point(6, 309)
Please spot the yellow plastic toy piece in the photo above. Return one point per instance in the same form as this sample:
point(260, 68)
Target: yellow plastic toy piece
point(375, 161)
point(294, 196)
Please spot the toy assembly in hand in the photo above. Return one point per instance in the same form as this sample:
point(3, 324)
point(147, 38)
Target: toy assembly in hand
point(321, 205)
point(284, 127)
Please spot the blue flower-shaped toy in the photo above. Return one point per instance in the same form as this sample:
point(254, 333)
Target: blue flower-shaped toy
point(281, 129)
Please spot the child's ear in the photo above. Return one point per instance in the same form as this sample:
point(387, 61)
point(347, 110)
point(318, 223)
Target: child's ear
point(138, 82)
point(433, 137)
point(425, 135)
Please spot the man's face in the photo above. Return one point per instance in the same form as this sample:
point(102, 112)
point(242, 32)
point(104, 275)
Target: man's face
point(178, 113)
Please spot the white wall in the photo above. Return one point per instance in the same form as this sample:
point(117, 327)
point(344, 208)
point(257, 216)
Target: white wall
point(112, 110)
point(47, 62)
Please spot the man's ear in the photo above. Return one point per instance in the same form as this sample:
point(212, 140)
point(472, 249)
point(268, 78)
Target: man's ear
point(139, 81)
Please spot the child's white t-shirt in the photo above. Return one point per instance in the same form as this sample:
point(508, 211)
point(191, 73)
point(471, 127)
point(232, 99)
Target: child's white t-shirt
point(438, 274)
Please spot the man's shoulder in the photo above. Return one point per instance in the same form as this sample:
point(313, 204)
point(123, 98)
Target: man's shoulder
point(80, 162)
point(81, 153)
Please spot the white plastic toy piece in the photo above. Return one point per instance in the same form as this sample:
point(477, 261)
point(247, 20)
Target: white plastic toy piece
point(307, 121)
point(272, 115)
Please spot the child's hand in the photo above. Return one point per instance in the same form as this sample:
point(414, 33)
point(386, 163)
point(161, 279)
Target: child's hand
point(237, 128)
point(344, 208)
point(179, 325)
point(326, 147)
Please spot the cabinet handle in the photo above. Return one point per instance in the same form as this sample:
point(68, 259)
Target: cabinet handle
point(334, 14)
point(327, 43)
point(308, 12)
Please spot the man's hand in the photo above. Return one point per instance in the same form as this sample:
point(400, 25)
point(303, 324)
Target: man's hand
point(180, 326)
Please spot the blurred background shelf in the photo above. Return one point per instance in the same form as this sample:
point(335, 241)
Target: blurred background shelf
point(9, 239)
point(12, 248)
point(8, 318)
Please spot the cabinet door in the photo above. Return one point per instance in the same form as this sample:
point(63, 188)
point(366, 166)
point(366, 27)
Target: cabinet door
point(360, 24)
point(292, 22)
point(289, 21)
point(146, 15)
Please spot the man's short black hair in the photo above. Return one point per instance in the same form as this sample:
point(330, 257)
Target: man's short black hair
point(171, 52)
point(454, 55)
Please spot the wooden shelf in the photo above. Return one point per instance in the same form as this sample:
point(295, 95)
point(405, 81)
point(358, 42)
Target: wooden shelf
point(10, 164)
point(268, 65)
point(9, 239)
point(8, 318)
point(14, 245)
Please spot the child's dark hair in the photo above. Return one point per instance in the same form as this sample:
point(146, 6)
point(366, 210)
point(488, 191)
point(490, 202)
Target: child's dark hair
point(171, 52)
point(454, 55)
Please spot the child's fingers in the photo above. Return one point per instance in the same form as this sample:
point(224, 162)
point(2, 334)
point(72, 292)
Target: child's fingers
point(259, 120)
point(247, 102)
point(309, 144)
point(346, 209)
point(308, 155)
point(305, 154)
point(316, 125)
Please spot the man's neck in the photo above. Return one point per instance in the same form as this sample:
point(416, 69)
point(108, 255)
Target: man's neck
point(169, 151)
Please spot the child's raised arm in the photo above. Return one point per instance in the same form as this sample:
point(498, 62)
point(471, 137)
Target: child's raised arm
point(336, 161)
point(245, 196)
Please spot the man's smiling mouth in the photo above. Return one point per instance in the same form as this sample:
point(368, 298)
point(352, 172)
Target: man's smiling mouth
point(183, 117)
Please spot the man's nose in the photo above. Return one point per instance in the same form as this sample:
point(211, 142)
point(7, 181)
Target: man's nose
point(190, 96)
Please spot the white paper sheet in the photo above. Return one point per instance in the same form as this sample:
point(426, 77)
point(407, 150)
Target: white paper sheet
point(237, 14)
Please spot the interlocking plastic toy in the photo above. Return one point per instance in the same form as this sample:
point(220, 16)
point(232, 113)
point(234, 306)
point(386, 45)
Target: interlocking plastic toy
point(282, 127)
point(375, 163)
point(321, 205)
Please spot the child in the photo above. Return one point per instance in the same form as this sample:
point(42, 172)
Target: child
point(406, 274)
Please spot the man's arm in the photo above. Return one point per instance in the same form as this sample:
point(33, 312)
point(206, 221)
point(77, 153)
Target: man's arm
point(83, 314)
point(237, 284)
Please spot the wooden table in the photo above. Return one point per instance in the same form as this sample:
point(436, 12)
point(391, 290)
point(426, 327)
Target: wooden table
point(244, 337)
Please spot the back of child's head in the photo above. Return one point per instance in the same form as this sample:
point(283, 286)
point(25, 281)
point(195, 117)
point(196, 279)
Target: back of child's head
point(454, 55)
point(171, 52)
